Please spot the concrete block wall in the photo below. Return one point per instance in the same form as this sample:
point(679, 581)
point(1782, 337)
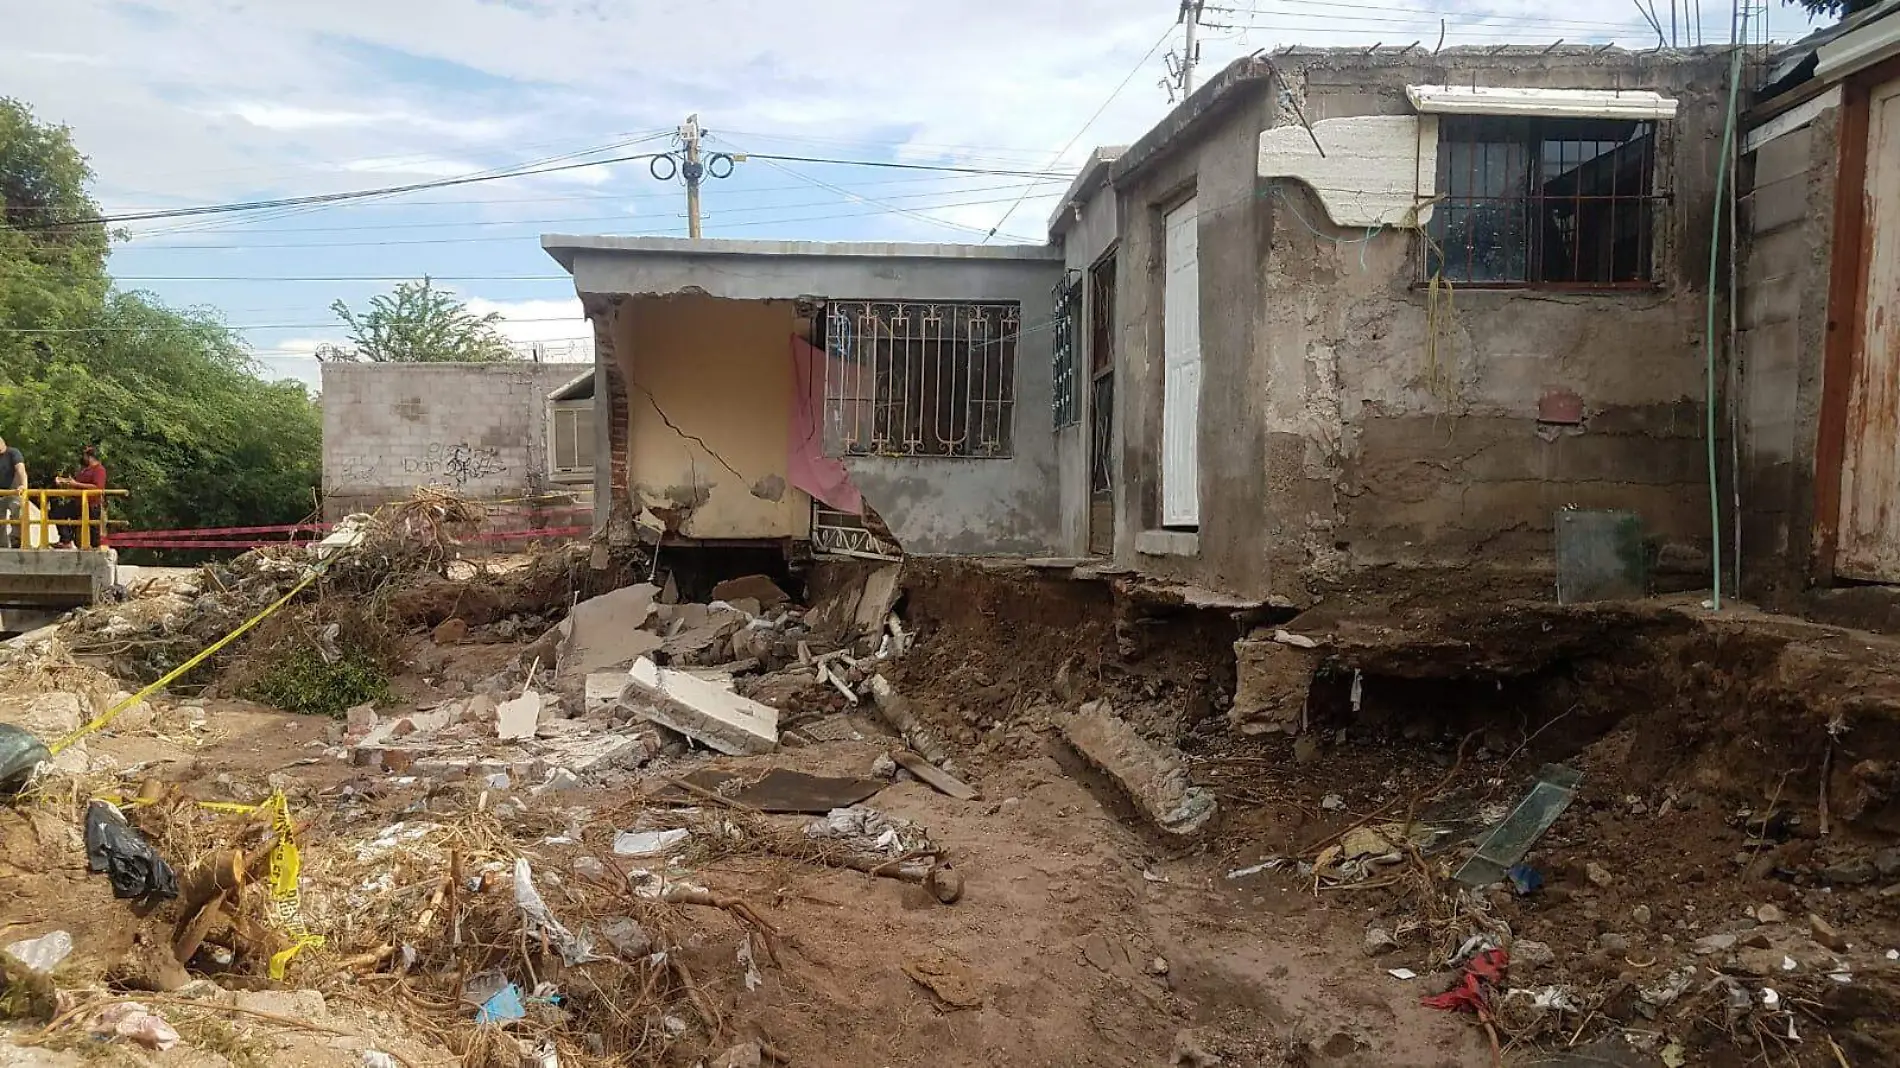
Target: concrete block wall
point(479, 430)
point(1787, 216)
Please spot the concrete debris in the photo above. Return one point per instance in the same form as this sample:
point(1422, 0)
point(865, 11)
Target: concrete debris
point(601, 690)
point(934, 777)
point(704, 711)
point(706, 643)
point(518, 718)
point(1156, 778)
point(649, 843)
point(743, 1055)
point(1298, 641)
point(757, 587)
point(606, 632)
point(1271, 683)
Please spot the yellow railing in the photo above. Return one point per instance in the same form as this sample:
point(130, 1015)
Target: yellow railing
point(27, 522)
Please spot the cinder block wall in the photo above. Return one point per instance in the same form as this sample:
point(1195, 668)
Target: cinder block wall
point(478, 429)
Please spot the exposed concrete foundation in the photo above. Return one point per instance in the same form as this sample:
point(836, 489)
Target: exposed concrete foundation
point(1155, 778)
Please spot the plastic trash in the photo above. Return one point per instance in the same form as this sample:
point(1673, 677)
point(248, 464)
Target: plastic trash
point(44, 953)
point(113, 847)
point(539, 921)
point(133, 1020)
point(648, 843)
point(1525, 879)
point(20, 753)
point(375, 1058)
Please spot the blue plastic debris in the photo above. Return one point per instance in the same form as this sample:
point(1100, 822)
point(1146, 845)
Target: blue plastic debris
point(505, 1004)
point(1525, 879)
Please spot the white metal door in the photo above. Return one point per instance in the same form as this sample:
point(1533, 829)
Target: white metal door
point(1181, 368)
point(1870, 468)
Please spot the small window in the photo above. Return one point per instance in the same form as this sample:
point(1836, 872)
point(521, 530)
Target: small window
point(907, 378)
point(571, 439)
point(1533, 201)
point(1065, 401)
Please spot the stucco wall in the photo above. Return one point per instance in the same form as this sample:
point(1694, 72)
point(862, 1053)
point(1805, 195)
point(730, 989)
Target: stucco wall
point(934, 505)
point(1087, 238)
point(1336, 438)
point(709, 392)
point(479, 429)
point(1788, 227)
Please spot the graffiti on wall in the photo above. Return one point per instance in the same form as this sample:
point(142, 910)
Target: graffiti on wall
point(457, 464)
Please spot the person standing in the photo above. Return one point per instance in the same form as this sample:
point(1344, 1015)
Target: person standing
point(12, 494)
point(90, 476)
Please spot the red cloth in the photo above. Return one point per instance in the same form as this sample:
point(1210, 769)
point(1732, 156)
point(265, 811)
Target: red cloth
point(94, 476)
point(1473, 993)
point(824, 477)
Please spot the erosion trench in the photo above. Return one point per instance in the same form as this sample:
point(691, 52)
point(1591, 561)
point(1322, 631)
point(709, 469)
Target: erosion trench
point(1167, 833)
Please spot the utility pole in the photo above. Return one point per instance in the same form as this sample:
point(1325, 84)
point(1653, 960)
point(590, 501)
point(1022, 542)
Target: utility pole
point(1191, 48)
point(692, 171)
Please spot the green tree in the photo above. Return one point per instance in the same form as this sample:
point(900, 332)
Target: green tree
point(418, 323)
point(1835, 8)
point(172, 399)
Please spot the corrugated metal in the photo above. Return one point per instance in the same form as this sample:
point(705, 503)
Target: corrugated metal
point(1870, 470)
point(1181, 369)
point(1503, 100)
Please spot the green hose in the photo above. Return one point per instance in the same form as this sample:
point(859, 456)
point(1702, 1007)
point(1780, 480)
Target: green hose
point(1708, 333)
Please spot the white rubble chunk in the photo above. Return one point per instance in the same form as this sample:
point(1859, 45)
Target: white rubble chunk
point(704, 711)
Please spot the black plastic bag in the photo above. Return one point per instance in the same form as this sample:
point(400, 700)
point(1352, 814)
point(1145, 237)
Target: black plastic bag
point(114, 847)
point(20, 753)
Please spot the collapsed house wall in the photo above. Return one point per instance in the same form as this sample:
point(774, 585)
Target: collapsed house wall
point(709, 395)
point(479, 429)
point(1348, 420)
point(933, 505)
point(1787, 221)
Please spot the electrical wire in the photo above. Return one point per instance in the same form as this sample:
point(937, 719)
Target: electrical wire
point(1114, 93)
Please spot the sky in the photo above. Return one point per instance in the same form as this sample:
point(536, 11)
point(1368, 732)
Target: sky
point(190, 102)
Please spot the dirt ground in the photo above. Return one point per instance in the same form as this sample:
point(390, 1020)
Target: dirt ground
point(1735, 782)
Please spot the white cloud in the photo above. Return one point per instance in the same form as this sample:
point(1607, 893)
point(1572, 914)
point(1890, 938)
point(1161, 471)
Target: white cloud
point(419, 165)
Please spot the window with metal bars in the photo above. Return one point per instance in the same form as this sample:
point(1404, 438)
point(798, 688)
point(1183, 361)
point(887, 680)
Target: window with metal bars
point(917, 378)
point(1561, 202)
point(1064, 401)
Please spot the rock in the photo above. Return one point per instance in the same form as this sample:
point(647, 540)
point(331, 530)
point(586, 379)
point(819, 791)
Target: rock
point(1598, 874)
point(628, 938)
point(1854, 871)
point(1824, 933)
point(1158, 966)
point(1887, 862)
point(884, 767)
point(1709, 945)
point(1611, 942)
point(1271, 684)
point(360, 720)
point(1769, 914)
point(1379, 941)
point(1106, 953)
point(1305, 750)
point(756, 587)
point(1531, 955)
point(743, 1055)
point(47, 716)
point(1191, 1052)
point(1641, 915)
point(1155, 777)
point(451, 632)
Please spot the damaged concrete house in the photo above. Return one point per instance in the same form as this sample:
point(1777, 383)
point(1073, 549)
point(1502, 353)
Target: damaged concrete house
point(1341, 313)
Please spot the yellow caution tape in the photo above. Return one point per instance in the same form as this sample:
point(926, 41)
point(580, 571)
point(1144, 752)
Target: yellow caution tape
point(172, 676)
point(286, 872)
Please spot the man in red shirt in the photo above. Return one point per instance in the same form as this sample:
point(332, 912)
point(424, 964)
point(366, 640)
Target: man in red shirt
point(91, 476)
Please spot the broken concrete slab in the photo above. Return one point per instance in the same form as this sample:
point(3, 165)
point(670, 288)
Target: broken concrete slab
point(518, 718)
point(601, 689)
point(757, 587)
point(605, 631)
point(1271, 683)
point(1154, 776)
point(880, 596)
point(704, 644)
point(936, 778)
point(705, 711)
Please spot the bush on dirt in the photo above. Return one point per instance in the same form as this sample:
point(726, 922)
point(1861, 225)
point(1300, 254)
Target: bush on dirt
point(303, 681)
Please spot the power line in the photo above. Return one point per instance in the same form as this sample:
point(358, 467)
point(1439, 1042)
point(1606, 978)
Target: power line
point(1429, 14)
point(1064, 150)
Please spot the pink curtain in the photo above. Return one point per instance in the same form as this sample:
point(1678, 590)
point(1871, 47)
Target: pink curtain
point(824, 477)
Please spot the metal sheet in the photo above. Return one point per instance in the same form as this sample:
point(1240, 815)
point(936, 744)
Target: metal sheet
point(1181, 369)
point(1600, 556)
point(1869, 545)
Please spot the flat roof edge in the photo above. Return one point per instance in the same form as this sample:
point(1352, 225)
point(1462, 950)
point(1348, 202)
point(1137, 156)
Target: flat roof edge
point(563, 247)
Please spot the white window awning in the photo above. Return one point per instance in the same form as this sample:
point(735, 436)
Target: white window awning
point(1556, 103)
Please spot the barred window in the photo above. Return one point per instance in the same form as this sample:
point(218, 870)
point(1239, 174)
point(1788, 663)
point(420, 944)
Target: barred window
point(1065, 401)
point(1544, 201)
point(914, 378)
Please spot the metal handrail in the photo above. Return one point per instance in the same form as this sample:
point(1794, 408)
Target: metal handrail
point(20, 526)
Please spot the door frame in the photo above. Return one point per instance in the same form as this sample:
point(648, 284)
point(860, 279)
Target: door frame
point(1848, 273)
point(1189, 200)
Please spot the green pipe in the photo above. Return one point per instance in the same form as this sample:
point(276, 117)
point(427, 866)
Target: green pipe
point(1708, 332)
